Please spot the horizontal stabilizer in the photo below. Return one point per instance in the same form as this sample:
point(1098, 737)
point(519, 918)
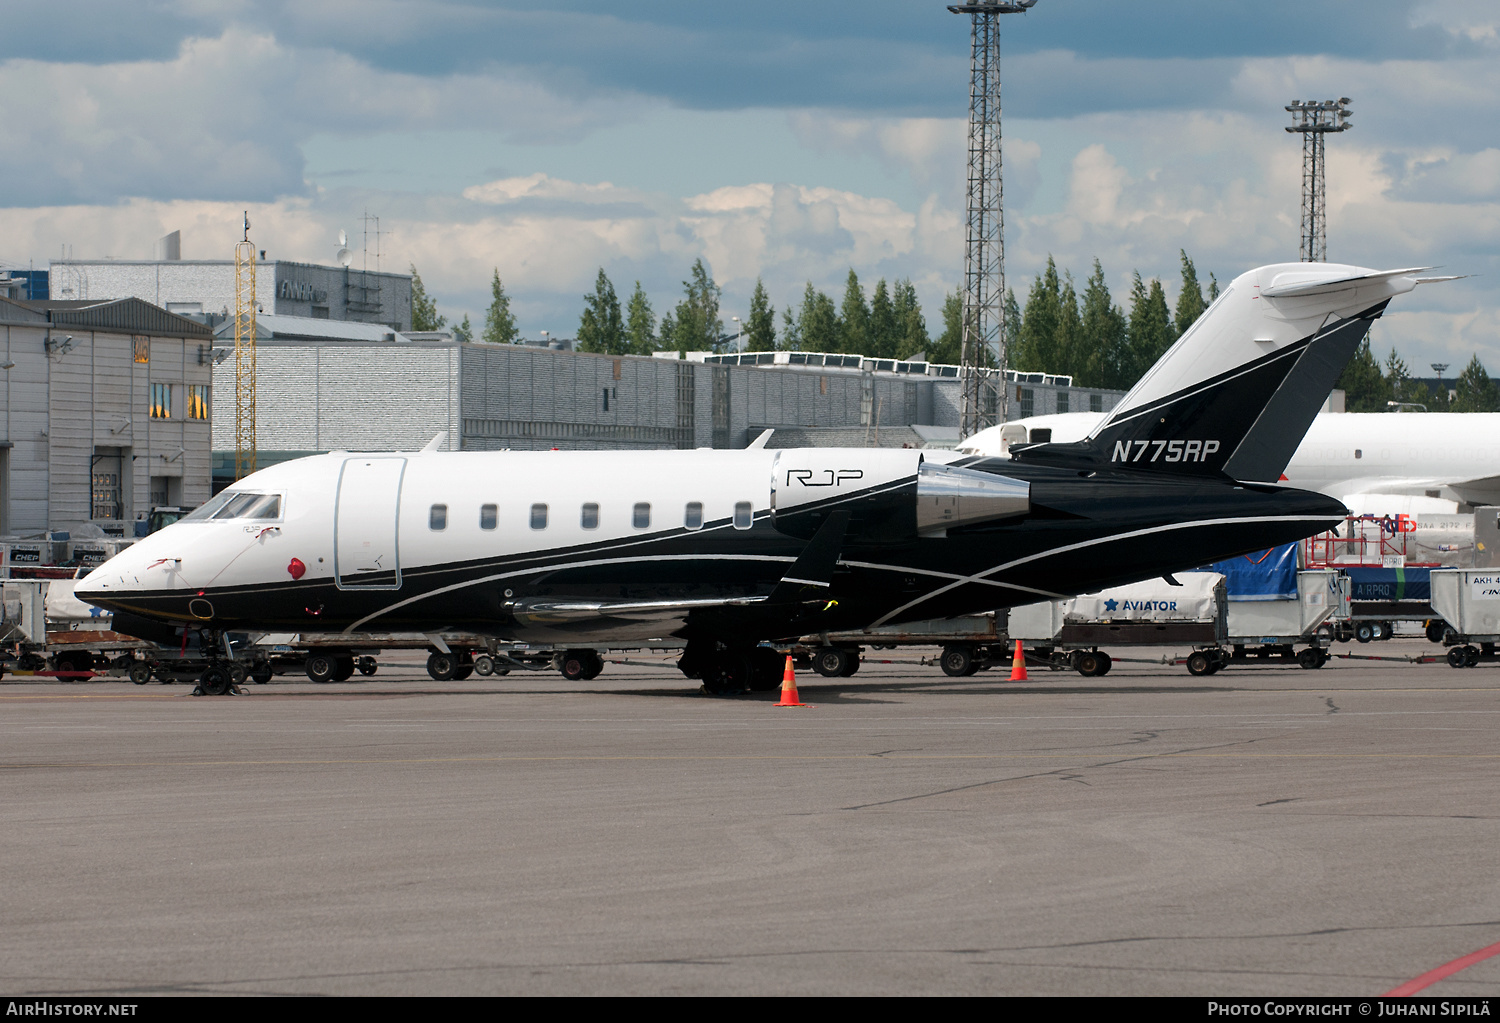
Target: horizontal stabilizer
point(1317, 280)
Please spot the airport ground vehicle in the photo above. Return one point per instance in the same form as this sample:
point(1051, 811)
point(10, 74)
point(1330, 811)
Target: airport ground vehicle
point(1468, 599)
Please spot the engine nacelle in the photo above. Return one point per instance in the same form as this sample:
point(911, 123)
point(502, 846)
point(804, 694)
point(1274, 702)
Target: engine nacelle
point(893, 495)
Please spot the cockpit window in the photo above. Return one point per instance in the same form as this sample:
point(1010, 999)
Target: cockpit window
point(234, 505)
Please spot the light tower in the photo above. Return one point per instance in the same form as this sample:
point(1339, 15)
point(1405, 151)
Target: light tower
point(1314, 119)
point(244, 355)
point(982, 358)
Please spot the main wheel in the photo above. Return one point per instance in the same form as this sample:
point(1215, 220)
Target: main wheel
point(321, 667)
point(237, 674)
point(830, 661)
point(1106, 662)
point(214, 681)
point(766, 669)
point(1199, 663)
point(441, 666)
point(139, 673)
point(367, 665)
point(1309, 658)
point(957, 660)
point(1364, 632)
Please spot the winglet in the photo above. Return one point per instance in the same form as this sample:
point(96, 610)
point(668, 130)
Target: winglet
point(759, 442)
point(436, 444)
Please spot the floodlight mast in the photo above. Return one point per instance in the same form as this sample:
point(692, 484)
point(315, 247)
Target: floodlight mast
point(1314, 119)
point(982, 356)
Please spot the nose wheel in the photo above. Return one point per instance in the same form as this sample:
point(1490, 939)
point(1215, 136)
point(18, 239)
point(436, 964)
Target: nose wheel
point(223, 676)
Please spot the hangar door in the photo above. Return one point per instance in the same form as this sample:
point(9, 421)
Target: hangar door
point(366, 523)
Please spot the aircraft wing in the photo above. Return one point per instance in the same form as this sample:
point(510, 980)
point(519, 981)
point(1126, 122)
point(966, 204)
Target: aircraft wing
point(568, 612)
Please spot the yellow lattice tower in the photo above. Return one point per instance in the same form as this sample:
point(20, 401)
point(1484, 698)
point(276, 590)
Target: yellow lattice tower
point(244, 355)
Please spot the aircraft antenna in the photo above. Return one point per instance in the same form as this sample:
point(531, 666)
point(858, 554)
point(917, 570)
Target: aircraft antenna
point(1315, 119)
point(244, 355)
point(982, 357)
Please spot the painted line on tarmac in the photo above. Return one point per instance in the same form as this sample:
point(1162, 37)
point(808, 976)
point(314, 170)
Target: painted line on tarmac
point(1431, 977)
point(96, 696)
point(804, 758)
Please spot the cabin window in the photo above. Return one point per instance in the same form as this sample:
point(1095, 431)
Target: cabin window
point(1358, 453)
point(488, 516)
point(640, 517)
point(539, 516)
point(742, 515)
point(248, 506)
point(590, 517)
point(437, 518)
point(1041, 435)
point(694, 517)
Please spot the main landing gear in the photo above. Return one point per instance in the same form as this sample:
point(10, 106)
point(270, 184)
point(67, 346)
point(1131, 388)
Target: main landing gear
point(728, 669)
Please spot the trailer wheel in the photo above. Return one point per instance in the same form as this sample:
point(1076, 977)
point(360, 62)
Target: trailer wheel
point(1457, 658)
point(578, 665)
point(1199, 663)
point(1364, 632)
point(441, 666)
point(344, 667)
point(1309, 658)
point(321, 667)
point(1087, 663)
point(260, 676)
point(957, 660)
point(830, 661)
point(1435, 628)
point(1471, 656)
point(1387, 630)
point(367, 665)
point(1105, 663)
point(140, 673)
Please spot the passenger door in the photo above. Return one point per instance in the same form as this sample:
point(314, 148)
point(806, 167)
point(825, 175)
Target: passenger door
point(366, 524)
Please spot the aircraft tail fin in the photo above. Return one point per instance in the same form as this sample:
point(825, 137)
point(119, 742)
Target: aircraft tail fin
point(1237, 392)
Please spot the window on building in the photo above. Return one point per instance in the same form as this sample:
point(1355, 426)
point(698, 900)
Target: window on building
point(437, 518)
point(694, 517)
point(539, 516)
point(606, 399)
point(142, 347)
point(1027, 398)
point(590, 517)
point(161, 401)
point(640, 516)
point(197, 401)
point(488, 516)
point(742, 516)
point(1062, 401)
point(1096, 403)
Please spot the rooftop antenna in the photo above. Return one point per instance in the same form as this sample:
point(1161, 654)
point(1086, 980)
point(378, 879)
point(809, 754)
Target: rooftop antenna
point(344, 256)
point(1314, 119)
point(244, 355)
point(365, 266)
point(982, 357)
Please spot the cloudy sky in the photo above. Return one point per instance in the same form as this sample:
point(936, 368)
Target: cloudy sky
point(789, 141)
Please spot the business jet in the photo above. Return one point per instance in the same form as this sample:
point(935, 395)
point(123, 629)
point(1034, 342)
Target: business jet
point(724, 551)
point(1376, 463)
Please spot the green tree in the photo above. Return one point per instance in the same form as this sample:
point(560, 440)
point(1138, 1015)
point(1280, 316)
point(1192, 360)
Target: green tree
point(424, 314)
point(1037, 351)
point(601, 328)
point(1108, 361)
point(464, 332)
point(818, 322)
point(762, 325)
point(791, 331)
point(1013, 319)
point(1475, 389)
point(1398, 379)
point(885, 333)
point(499, 323)
point(911, 325)
point(949, 346)
point(854, 319)
point(668, 337)
point(1150, 328)
point(1213, 288)
point(640, 323)
point(1190, 304)
point(1365, 387)
point(696, 325)
point(1069, 343)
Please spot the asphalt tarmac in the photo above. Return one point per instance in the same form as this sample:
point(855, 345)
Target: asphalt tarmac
point(1266, 830)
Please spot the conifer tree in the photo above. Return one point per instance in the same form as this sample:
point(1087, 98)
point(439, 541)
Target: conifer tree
point(697, 325)
point(601, 328)
point(949, 345)
point(1013, 319)
point(1150, 327)
point(762, 325)
point(640, 324)
point(854, 318)
point(818, 322)
point(1190, 304)
point(1107, 362)
point(885, 337)
point(911, 326)
point(1068, 343)
point(1475, 391)
point(1038, 348)
point(1365, 387)
point(463, 331)
point(499, 324)
point(424, 314)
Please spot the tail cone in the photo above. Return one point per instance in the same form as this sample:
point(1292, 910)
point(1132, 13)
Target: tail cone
point(789, 697)
point(1018, 665)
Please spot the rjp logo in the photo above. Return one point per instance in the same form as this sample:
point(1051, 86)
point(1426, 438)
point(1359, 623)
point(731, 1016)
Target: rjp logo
point(831, 477)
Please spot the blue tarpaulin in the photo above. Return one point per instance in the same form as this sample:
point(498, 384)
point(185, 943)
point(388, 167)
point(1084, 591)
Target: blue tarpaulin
point(1390, 583)
point(1265, 575)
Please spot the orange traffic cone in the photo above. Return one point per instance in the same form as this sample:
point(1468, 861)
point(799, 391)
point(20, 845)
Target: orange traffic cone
point(1018, 665)
point(789, 697)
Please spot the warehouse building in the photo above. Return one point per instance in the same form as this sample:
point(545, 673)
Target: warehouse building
point(106, 414)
